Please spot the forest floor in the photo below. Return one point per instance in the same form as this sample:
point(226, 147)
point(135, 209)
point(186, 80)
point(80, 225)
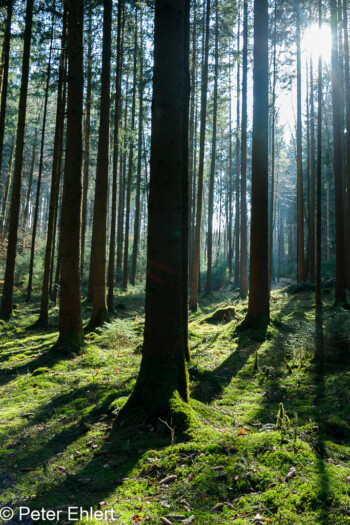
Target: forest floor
point(60, 446)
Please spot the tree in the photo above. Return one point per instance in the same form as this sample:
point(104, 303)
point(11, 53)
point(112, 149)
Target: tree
point(258, 305)
point(243, 285)
point(70, 322)
point(340, 280)
point(7, 295)
point(117, 116)
point(300, 199)
point(197, 239)
point(208, 287)
point(4, 74)
point(99, 237)
point(163, 380)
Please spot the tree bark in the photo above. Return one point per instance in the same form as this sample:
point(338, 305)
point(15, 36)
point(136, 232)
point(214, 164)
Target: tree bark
point(162, 383)
point(70, 322)
point(340, 281)
point(258, 305)
point(99, 313)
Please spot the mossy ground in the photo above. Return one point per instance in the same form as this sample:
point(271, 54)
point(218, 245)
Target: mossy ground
point(61, 444)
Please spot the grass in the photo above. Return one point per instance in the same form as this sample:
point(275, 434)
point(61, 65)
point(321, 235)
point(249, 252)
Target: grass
point(62, 446)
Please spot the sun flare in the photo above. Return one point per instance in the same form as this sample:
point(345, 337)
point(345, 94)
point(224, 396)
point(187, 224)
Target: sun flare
point(318, 41)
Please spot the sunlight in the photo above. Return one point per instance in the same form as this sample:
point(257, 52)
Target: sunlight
point(318, 42)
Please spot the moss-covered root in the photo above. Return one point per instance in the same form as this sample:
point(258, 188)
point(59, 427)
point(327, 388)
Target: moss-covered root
point(71, 343)
point(259, 323)
point(221, 315)
point(97, 321)
point(161, 392)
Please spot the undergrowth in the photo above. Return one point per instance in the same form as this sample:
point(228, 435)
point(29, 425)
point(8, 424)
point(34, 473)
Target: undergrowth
point(273, 444)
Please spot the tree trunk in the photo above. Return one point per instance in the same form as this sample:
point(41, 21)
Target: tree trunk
point(319, 204)
point(340, 283)
point(7, 190)
point(204, 88)
point(87, 135)
point(7, 295)
point(163, 382)
point(130, 167)
point(258, 306)
point(117, 116)
point(347, 98)
point(5, 70)
point(99, 313)
point(243, 286)
point(70, 322)
point(273, 122)
point(208, 286)
point(312, 178)
point(139, 165)
point(300, 197)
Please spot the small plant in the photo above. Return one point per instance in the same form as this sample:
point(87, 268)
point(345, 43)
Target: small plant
point(283, 421)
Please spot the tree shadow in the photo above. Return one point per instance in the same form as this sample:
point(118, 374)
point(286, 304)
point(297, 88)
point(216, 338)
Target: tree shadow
point(47, 358)
point(210, 384)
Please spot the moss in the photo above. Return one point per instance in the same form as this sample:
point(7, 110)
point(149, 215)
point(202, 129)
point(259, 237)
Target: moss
point(221, 315)
point(40, 371)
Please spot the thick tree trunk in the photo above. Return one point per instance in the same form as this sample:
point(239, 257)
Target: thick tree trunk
point(340, 281)
point(99, 313)
point(70, 322)
point(163, 382)
point(7, 295)
point(204, 88)
point(258, 306)
point(347, 98)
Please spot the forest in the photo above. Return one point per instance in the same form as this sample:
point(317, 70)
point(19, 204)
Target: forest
point(175, 262)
